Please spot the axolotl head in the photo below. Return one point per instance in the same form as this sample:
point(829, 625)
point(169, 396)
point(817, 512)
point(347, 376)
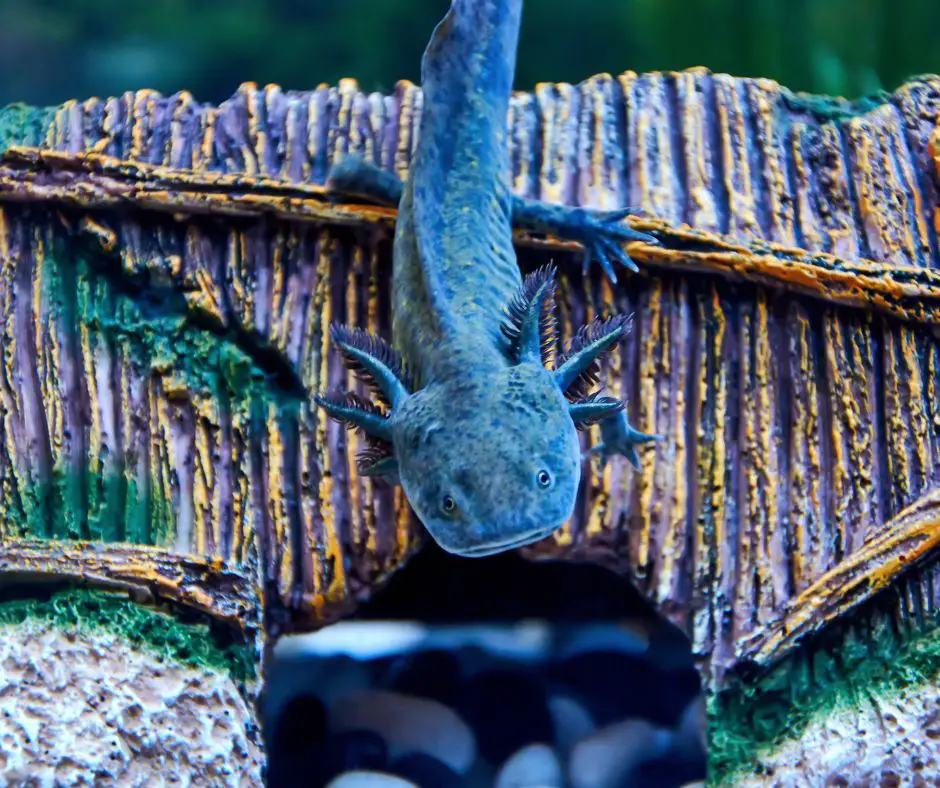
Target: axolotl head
point(489, 464)
point(489, 458)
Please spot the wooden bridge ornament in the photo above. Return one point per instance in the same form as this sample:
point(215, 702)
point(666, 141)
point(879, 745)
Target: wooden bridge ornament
point(168, 270)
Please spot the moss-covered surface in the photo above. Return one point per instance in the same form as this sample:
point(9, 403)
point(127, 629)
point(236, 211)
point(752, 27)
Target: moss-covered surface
point(833, 108)
point(160, 633)
point(147, 314)
point(21, 124)
point(748, 718)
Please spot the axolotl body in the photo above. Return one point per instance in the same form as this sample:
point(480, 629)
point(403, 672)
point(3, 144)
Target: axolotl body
point(476, 423)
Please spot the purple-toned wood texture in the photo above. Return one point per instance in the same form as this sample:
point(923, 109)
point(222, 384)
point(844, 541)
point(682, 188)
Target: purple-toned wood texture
point(784, 345)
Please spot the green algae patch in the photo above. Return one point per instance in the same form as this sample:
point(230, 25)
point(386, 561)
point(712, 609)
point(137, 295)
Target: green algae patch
point(169, 639)
point(832, 108)
point(146, 314)
point(748, 719)
point(21, 124)
point(141, 320)
point(113, 507)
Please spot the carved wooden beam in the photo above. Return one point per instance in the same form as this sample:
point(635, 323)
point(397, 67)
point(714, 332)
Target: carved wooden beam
point(901, 545)
point(94, 182)
point(785, 334)
point(207, 585)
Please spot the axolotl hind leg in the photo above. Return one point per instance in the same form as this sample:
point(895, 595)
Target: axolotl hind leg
point(354, 176)
point(603, 234)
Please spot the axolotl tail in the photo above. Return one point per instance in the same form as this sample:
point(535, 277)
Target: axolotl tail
point(475, 417)
point(460, 192)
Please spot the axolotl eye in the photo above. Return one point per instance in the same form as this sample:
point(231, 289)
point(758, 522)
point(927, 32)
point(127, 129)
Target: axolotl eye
point(544, 479)
point(448, 505)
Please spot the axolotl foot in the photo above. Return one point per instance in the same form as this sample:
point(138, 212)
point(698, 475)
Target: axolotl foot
point(604, 234)
point(619, 437)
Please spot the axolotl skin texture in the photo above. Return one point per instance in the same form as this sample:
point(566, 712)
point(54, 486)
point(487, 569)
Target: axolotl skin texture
point(473, 415)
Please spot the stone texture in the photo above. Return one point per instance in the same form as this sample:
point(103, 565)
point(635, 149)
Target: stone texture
point(369, 780)
point(408, 724)
point(608, 757)
point(572, 722)
point(83, 708)
point(535, 765)
point(885, 741)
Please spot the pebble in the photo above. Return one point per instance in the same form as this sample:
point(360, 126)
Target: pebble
point(592, 712)
point(535, 766)
point(508, 710)
point(678, 688)
point(690, 739)
point(343, 676)
point(367, 779)
point(324, 678)
point(660, 773)
point(433, 674)
point(355, 749)
point(628, 637)
point(298, 730)
point(427, 772)
point(302, 723)
point(481, 773)
point(335, 755)
point(609, 757)
point(475, 660)
point(572, 722)
point(408, 724)
point(612, 684)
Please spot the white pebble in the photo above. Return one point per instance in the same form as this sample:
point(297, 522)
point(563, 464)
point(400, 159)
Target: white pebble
point(534, 766)
point(572, 722)
point(408, 724)
point(369, 780)
point(608, 758)
point(627, 637)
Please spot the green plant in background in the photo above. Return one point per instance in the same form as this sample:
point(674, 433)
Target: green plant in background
point(52, 50)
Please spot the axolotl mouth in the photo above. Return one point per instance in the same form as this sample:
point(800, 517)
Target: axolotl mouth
point(480, 551)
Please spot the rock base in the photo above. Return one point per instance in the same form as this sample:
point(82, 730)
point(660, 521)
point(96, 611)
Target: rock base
point(83, 707)
point(893, 741)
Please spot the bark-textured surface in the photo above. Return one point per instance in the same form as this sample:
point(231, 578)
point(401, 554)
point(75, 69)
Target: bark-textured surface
point(164, 387)
point(82, 707)
point(167, 279)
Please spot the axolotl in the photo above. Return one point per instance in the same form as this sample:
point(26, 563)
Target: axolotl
point(471, 416)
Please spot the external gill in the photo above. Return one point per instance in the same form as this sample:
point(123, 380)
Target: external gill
point(531, 329)
point(578, 368)
point(381, 369)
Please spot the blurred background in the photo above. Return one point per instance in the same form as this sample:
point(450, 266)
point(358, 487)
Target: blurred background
point(53, 50)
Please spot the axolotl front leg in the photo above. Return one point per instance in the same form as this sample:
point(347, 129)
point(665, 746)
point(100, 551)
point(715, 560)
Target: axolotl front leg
point(619, 437)
point(602, 234)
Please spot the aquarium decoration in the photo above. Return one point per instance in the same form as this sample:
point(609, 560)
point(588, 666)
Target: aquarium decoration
point(174, 499)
